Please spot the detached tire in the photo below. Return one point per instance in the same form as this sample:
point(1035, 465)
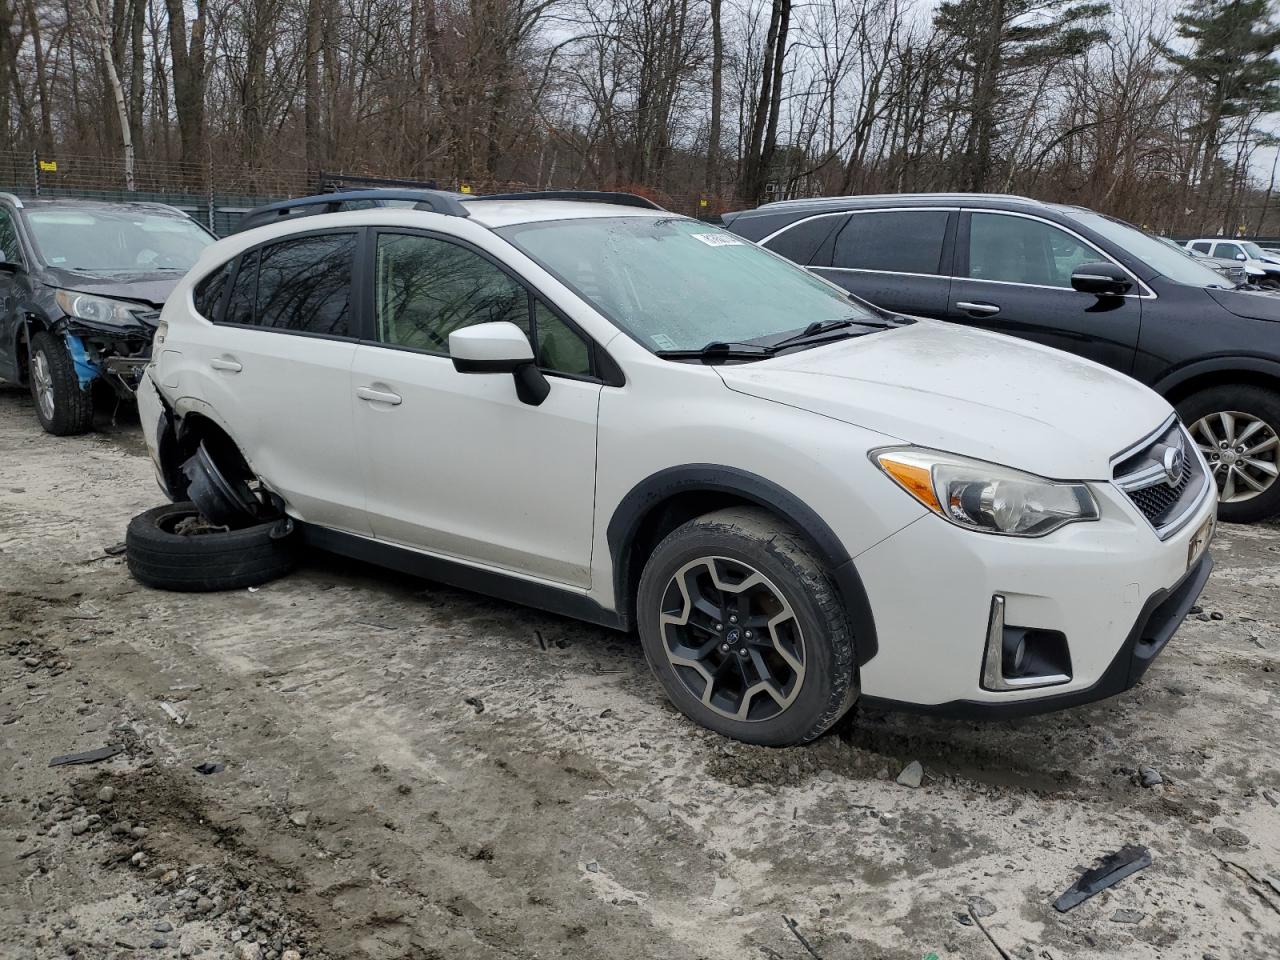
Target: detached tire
point(745, 630)
point(161, 557)
point(63, 407)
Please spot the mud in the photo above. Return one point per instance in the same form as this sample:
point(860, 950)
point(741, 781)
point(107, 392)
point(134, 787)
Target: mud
point(416, 772)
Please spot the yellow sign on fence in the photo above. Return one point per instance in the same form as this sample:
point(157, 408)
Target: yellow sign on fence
point(48, 166)
point(464, 187)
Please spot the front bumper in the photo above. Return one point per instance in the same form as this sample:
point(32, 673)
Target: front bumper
point(1111, 587)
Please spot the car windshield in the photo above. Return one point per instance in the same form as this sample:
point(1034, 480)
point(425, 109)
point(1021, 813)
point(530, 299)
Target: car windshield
point(116, 241)
point(1169, 263)
point(1252, 249)
point(678, 284)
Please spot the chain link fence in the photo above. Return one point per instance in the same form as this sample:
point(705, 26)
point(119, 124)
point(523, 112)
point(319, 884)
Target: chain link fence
point(218, 194)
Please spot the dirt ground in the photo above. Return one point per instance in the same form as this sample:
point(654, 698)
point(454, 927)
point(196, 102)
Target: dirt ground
point(415, 772)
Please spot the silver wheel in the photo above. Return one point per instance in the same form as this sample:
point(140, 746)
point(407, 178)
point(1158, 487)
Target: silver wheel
point(1243, 453)
point(42, 380)
point(732, 639)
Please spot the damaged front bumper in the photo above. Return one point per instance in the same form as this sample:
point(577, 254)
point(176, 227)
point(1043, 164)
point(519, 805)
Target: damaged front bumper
point(115, 355)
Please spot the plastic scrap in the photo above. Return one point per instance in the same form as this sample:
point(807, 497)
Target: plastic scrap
point(208, 767)
point(1110, 870)
point(88, 756)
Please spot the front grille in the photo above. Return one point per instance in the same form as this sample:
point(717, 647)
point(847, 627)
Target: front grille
point(1163, 476)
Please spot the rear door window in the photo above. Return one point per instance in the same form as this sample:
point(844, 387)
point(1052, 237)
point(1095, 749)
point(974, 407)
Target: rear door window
point(894, 241)
point(304, 285)
point(1200, 247)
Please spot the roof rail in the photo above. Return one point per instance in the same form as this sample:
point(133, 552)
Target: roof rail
point(437, 201)
point(12, 198)
point(590, 196)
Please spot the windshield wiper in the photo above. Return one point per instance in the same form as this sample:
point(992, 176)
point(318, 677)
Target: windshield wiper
point(820, 329)
point(718, 350)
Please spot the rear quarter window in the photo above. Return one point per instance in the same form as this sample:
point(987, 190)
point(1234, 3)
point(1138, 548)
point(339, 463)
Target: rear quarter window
point(801, 241)
point(209, 292)
point(895, 241)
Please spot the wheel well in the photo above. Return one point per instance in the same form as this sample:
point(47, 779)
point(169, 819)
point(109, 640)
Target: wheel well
point(1221, 378)
point(191, 432)
point(658, 521)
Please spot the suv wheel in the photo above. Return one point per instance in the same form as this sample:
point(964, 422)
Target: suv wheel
point(1238, 430)
point(745, 631)
point(63, 407)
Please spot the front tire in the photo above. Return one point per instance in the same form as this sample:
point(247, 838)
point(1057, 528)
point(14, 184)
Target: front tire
point(1237, 428)
point(744, 629)
point(63, 407)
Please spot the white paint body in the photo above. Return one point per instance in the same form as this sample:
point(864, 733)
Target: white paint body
point(460, 468)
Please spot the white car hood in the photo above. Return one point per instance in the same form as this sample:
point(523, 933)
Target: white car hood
point(968, 392)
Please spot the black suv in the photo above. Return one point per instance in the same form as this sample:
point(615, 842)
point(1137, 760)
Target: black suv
point(1073, 279)
point(81, 286)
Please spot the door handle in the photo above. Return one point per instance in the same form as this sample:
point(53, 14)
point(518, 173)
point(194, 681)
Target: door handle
point(986, 309)
point(378, 396)
point(230, 366)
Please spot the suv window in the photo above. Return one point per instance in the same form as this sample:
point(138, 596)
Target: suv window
point(9, 238)
point(899, 241)
point(1200, 246)
point(208, 293)
point(1228, 251)
point(1020, 250)
point(425, 288)
point(799, 243)
point(243, 291)
point(304, 285)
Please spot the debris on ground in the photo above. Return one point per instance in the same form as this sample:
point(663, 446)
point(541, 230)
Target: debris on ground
point(475, 703)
point(89, 756)
point(1231, 837)
point(208, 767)
point(1149, 776)
point(1110, 870)
point(912, 774)
point(795, 932)
point(1127, 916)
point(981, 906)
point(115, 550)
point(173, 713)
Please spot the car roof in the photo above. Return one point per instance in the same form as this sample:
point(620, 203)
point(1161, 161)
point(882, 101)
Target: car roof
point(822, 204)
point(503, 213)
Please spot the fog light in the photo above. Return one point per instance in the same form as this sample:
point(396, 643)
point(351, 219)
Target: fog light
point(1019, 658)
point(1015, 653)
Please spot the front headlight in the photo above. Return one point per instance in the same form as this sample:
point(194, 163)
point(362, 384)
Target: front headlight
point(986, 497)
point(102, 310)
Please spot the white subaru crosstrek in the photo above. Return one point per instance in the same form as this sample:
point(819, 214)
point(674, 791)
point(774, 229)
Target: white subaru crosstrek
point(595, 407)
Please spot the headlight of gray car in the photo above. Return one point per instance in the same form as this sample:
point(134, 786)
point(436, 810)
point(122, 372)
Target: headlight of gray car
point(100, 310)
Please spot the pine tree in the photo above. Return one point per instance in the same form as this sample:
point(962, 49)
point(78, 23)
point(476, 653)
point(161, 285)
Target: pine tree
point(997, 43)
point(1230, 61)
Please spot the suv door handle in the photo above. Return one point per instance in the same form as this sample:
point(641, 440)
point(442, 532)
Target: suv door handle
point(986, 309)
point(378, 396)
point(230, 366)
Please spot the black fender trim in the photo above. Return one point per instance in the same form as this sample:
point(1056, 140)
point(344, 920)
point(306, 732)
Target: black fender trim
point(652, 492)
point(566, 603)
point(1226, 364)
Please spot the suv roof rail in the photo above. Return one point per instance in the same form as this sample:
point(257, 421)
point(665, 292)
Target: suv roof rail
point(437, 201)
point(590, 196)
point(12, 198)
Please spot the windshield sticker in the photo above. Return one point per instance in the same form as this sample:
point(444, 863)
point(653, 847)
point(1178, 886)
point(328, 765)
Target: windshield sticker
point(718, 239)
point(662, 341)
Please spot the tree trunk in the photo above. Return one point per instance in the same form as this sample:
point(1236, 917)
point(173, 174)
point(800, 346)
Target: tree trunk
point(712, 183)
point(117, 91)
point(188, 58)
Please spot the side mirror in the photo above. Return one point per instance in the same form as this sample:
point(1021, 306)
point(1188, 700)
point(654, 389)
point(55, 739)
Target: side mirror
point(499, 347)
point(1101, 279)
point(1241, 256)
